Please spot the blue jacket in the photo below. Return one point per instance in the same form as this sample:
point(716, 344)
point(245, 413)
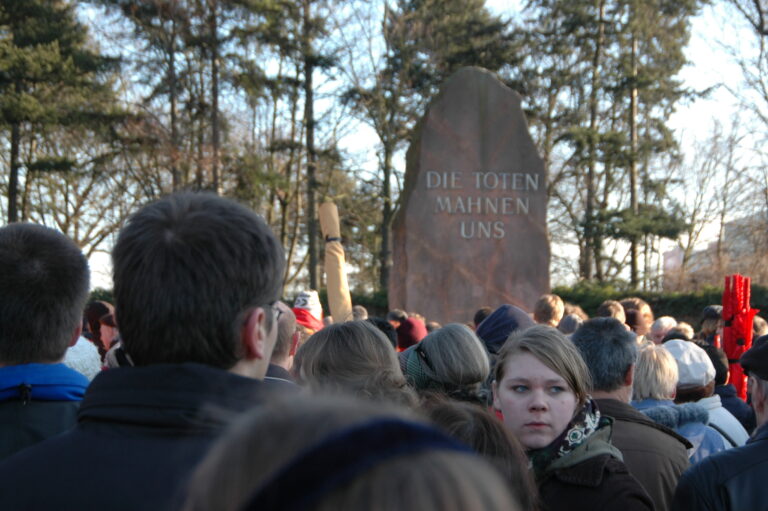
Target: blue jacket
point(37, 401)
point(689, 420)
point(733, 480)
point(741, 410)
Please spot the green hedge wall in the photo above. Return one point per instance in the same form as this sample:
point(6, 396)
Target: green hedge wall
point(681, 306)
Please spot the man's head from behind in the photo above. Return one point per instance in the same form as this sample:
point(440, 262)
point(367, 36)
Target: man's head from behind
point(609, 350)
point(44, 282)
point(755, 364)
point(548, 310)
point(287, 337)
point(192, 273)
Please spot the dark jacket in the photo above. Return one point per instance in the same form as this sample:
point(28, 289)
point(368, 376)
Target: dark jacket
point(140, 433)
point(655, 455)
point(37, 401)
point(733, 403)
point(730, 480)
point(592, 478)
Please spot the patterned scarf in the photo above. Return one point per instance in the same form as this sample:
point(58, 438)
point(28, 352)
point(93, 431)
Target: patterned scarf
point(582, 426)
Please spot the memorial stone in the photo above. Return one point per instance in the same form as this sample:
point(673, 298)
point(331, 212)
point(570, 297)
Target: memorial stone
point(471, 226)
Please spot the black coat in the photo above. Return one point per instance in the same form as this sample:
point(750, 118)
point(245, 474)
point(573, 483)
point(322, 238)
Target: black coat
point(140, 433)
point(731, 480)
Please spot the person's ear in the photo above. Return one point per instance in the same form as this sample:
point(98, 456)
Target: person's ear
point(253, 335)
point(629, 376)
point(76, 334)
point(294, 342)
point(496, 401)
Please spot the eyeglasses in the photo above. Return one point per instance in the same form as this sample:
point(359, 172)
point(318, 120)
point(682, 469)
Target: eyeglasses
point(277, 311)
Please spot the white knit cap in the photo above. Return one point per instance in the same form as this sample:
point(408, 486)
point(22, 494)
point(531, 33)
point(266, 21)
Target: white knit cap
point(310, 301)
point(693, 363)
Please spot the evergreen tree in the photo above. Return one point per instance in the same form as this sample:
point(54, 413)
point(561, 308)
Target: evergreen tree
point(600, 84)
point(49, 76)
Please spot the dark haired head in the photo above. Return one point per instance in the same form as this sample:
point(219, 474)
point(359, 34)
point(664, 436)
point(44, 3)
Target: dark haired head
point(480, 315)
point(397, 315)
point(608, 349)
point(719, 361)
point(44, 282)
point(386, 328)
point(187, 269)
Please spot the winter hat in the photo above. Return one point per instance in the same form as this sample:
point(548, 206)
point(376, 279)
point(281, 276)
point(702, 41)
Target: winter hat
point(755, 360)
point(693, 363)
point(410, 332)
point(308, 311)
point(495, 329)
point(310, 301)
point(712, 312)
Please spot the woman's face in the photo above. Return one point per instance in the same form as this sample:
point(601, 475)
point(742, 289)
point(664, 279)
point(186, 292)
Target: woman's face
point(536, 402)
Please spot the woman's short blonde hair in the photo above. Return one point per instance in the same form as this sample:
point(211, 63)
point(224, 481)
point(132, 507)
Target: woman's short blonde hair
point(552, 349)
point(266, 441)
point(655, 374)
point(353, 357)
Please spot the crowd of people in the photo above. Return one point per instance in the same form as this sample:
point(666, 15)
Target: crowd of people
point(200, 389)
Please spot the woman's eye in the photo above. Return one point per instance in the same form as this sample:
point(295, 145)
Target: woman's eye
point(519, 388)
point(556, 389)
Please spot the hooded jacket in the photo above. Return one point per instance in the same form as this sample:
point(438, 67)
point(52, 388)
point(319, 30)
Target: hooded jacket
point(689, 420)
point(733, 403)
point(140, 432)
point(724, 421)
point(592, 477)
point(37, 401)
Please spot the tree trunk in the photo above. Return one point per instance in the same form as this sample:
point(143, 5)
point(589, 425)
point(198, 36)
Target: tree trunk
point(589, 228)
point(633, 277)
point(309, 121)
point(215, 96)
point(13, 179)
point(175, 177)
point(385, 256)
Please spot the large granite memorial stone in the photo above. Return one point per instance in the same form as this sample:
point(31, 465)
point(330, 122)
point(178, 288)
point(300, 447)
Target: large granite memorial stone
point(471, 228)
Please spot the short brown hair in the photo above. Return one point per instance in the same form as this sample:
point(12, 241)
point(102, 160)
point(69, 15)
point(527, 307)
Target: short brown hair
point(612, 309)
point(552, 349)
point(355, 357)
point(548, 310)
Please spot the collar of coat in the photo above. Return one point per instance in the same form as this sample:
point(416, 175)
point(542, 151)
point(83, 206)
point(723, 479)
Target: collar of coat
point(188, 397)
point(627, 413)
